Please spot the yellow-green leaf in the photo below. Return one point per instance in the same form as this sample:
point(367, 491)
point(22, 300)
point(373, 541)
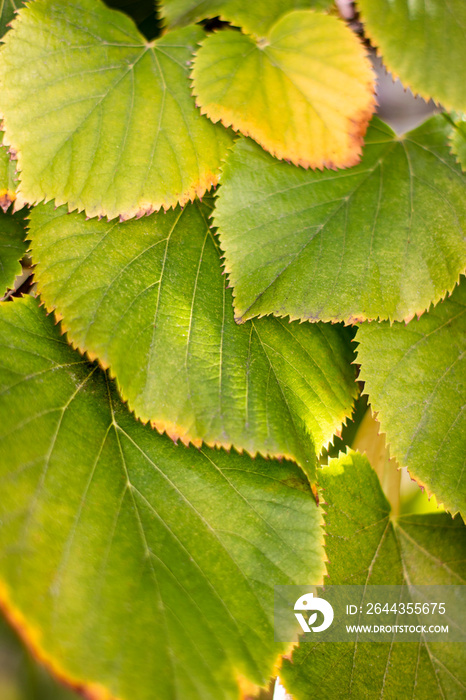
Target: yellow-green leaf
point(304, 92)
point(415, 377)
point(423, 42)
point(138, 569)
point(148, 299)
point(369, 546)
point(381, 240)
point(100, 118)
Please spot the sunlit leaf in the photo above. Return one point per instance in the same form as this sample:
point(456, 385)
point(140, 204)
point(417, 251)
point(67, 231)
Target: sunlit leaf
point(381, 240)
point(100, 118)
point(253, 17)
point(132, 563)
point(304, 91)
point(423, 43)
point(415, 377)
point(149, 300)
point(366, 546)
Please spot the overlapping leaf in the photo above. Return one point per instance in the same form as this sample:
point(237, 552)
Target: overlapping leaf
point(423, 43)
point(304, 91)
point(12, 248)
point(458, 142)
point(149, 300)
point(382, 240)
point(366, 546)
point(7, 13)
point(254, 18)
point(101, 119)
point(153, 565)
point(414, 375)
point(8, 178)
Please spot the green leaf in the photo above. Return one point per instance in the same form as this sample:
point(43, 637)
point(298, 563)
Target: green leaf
point(381, 240)
point(8, 178)
point(423, 43)
point(254, 18)
point(7, 13)
point(458, 142)
point(152, 565)
point(148, 299)
point(414, 376)
point(366, 546)
point(291, 91)
point(123, 136)
point(12, 249)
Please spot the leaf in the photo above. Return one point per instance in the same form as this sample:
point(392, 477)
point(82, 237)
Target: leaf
point(414, 376)
point(123, 136)
point(148, 299)
point(153, 565)
point(12, 248)
point(382, 240)
point(431, 61)
point(8, 179)
point(291, 91)
point(458, 142)
point(254, 18)
point(367, 546)
point(7, 13)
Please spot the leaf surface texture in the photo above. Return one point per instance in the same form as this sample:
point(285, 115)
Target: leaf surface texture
point(381, 240)
point(414, 376)
point(366, 546)
point(148, 299)
point(100, 118)
point(153, 565)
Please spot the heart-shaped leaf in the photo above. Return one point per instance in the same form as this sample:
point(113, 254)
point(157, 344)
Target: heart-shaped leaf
point(381, 240)
point(153, 566)
point(366, 546)
point(291, 90)
point(414, 376)
point(423, 43)
point(100, 118)
point(148, 299)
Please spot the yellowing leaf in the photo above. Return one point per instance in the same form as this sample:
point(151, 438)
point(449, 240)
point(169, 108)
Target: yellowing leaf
point(304, 92)
point(100, 118)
